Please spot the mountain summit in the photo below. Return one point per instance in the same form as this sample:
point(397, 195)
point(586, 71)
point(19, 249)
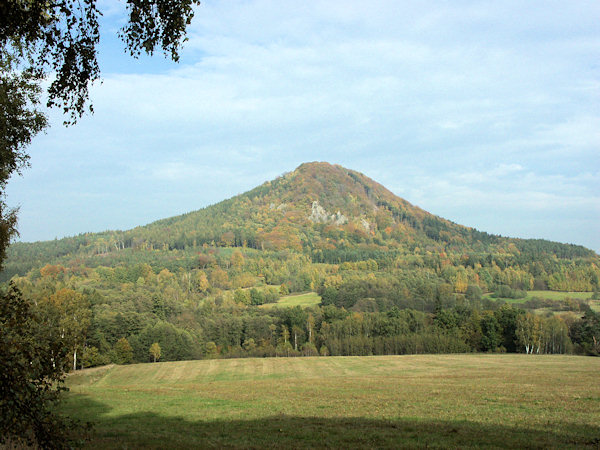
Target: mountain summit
point(318, 205)
point(323, 186)
point(334, 188)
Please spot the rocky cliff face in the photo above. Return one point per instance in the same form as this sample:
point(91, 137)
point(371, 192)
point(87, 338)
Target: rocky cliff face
point(319, 215)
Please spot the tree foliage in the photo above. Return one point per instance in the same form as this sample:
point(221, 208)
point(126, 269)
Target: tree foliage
point(62, 37)
point(155, 351)
point(20, 120)
point(32, 368)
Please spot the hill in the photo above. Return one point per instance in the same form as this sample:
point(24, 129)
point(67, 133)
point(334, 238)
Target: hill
point(391, 278)
point(325, 211)
point(466, 401)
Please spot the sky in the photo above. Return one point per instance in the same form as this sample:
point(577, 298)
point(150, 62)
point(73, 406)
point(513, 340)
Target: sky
point(485, 113)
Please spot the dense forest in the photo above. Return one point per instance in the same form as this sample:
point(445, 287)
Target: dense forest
point(393, 279)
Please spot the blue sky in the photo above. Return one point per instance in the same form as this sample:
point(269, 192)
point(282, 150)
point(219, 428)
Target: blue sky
point(485, 113)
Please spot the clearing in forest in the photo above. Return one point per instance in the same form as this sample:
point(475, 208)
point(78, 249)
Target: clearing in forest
point(303, 300)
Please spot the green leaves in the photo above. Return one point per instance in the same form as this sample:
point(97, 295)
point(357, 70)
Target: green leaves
point(158, 23)
point(31, 377)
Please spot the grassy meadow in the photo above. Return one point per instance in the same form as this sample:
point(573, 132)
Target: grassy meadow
point(553, 295)
point(303, 300)
point(557, 295)
point(510, 401)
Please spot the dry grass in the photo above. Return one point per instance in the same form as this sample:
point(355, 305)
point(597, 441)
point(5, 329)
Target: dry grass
point(389, 401)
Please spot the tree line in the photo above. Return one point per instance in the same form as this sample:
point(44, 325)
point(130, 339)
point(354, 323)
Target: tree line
point(216, 309)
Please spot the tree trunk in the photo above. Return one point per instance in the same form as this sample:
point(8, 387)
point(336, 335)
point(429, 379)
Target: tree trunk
point(75, 359)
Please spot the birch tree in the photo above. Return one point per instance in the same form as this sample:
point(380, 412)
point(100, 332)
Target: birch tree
point(529, 333)
point(155, 351)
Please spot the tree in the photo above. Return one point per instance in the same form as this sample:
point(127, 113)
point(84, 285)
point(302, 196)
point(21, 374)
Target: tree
point(61, 37)
point(556, 336)
point(200, 281)
point(585, 333)
point(490, 330)
point(69, 312)
point(473, 293)
point(285, 333)
point(241, 296)
point(32, 370)
point(123, 351)
point(210, 349)
point(309, 349)
point(219, 278)
point(237, 259)
point(528, 332)
point(249, 345)
point(91, 357)
point(310, 325)
point(20, 121)
point(472, 332)
point(155, 351)
point(257, 297)
point(296, 331)
point(507, 319)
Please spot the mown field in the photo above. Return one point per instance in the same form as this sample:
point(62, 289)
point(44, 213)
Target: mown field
point(556, 295)
point(511, 401)
point(303, 300)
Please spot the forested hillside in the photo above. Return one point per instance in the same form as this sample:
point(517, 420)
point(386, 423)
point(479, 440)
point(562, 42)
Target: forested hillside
point(393, 279)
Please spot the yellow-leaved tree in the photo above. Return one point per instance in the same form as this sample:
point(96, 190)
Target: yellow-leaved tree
point(155, 351)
